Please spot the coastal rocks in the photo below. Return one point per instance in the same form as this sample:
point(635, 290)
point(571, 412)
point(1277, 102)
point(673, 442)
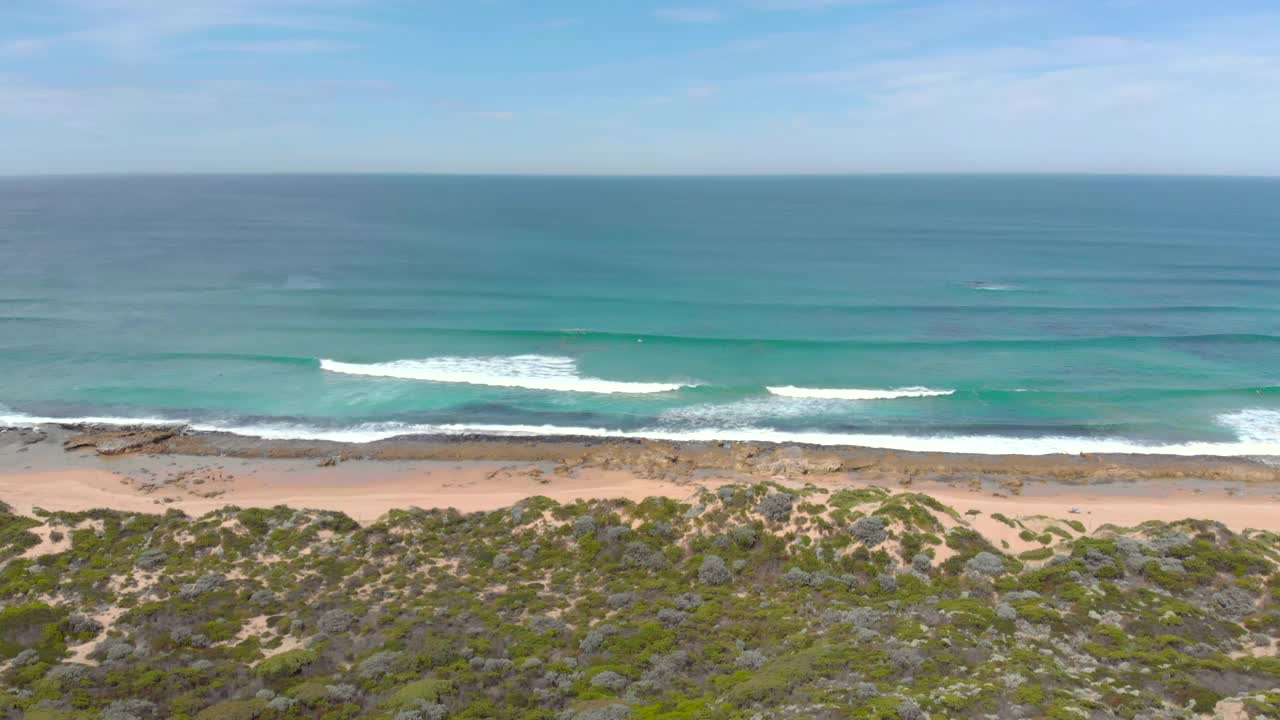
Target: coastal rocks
point(648, 460)
point(1013, 484)
point(784, 461)
point(679, 461)
point(120, 441)
point(199, 482)
point(22, 437)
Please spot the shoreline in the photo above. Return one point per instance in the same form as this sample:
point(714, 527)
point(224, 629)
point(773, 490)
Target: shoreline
point(151, 470)
point(1255, 438)
point(662, 458)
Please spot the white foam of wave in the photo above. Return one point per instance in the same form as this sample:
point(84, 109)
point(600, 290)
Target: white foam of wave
point(980, 444)
point(1259, 436)
point(1254, 425)
point(362, 433)
point(20, 420)
point(856, 393)
point(532, 372)
point(748, 412)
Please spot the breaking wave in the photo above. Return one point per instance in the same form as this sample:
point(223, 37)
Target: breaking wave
point(857, 394)
point(532, 372)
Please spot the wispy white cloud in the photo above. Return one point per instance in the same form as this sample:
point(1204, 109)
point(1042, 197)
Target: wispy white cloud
point(907, 85)
point(101, 106)
point(132, 28)
point(299, 46)
point(22, 47)
point(814, 4)
point(689, 15)
point(558, 23)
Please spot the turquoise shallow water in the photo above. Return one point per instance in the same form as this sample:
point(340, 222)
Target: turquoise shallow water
point(1019, 314)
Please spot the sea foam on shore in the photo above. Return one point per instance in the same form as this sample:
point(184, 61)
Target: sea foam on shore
point(1258, 433)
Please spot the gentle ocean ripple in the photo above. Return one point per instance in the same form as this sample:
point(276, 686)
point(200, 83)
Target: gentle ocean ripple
point(985, 314)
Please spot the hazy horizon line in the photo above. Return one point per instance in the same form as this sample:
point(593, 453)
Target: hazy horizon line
point(625, 176)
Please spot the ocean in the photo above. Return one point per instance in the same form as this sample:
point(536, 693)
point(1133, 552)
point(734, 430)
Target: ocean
point(999, 314)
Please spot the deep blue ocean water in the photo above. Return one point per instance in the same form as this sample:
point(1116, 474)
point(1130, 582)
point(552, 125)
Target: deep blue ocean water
point(994, 314)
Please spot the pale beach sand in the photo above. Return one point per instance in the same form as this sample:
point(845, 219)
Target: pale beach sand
point(44, 475)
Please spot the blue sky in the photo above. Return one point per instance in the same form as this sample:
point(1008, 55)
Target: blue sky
point(632, 86)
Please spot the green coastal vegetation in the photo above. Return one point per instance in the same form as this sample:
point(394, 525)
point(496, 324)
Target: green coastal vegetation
point(750, 602)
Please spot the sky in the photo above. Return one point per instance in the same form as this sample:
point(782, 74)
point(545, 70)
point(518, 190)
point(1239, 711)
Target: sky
point(640, 86)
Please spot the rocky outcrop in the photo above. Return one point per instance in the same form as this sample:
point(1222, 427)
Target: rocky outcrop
point(650, 460)
point(22, 436)
point(121, 441)
point(787, 461)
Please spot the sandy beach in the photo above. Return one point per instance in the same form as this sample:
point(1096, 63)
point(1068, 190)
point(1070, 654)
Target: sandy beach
point(36, 470)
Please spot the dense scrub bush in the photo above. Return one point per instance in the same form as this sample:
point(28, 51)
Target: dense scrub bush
point(205, 584)
point(640, 555)
point(610, 680)
point(286, 663)
point(750, 660)
point(132, 709)
point(776, 506)
point(596, 637)
point(746, 536)
point(713, 571)
point(1234, 602)
point(379, 664)
point(622, 600)
point(870, 530)
point(921, 563)
point(584, 526)
point(336, 621)
point(671, 617)
point(688, 601)
point(985, 563)
point(151, 558)
point(283, 614)
point(909, 710)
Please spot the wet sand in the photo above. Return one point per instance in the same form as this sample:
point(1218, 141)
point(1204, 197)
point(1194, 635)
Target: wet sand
point(140, 473)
